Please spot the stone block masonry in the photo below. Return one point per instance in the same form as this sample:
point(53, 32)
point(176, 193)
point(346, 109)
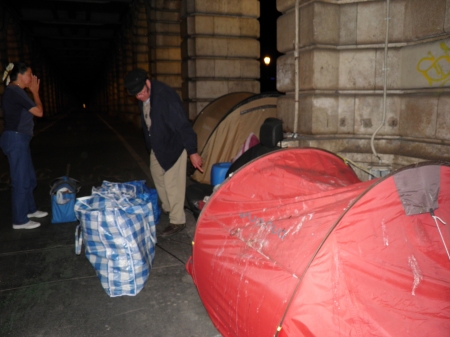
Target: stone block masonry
point(341, 75)
point(220, 50)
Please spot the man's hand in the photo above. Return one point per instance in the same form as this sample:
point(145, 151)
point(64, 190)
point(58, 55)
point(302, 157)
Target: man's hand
point(196, 161)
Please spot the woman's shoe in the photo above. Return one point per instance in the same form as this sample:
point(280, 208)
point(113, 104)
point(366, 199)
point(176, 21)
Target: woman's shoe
point(38, 214)
point(29, 225)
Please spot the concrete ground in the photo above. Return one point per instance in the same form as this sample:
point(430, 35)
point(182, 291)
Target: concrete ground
point(48, 290)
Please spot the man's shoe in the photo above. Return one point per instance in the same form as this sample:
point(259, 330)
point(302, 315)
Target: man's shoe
point(38, 214)
point(172, 229)
point(29, 225)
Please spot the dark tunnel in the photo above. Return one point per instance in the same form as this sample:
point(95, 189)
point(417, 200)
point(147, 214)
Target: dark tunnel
point(78, 47)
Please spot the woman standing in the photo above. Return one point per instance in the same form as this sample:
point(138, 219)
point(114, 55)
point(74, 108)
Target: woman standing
point(18, 112)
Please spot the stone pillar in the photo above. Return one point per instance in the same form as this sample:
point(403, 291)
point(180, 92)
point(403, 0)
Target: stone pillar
point(38, 69)
point(138, 54)
point(341, 76)
point(59, 96)
point(53, 96)
point(140, 37)
point(45, 90)
point(111, 83)
point(11, 41)
point(26, 54)
point(133, 51)
point(3, 46)
point(121, 72)
point(3, 56)
point(129, 64)
point(220, 50)
point(165, 42)
point(118, 79)
point(115, 87)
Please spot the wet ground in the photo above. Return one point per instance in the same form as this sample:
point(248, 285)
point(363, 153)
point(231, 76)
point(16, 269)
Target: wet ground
point(48, 290)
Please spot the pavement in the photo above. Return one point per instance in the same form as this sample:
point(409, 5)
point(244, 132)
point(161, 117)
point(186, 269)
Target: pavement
point(48, 290)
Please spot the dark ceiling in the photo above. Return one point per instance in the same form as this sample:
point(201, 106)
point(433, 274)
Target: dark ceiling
point(75, 35)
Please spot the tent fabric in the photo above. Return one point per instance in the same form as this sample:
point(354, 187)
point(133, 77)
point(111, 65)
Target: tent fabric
point(293, 244)
point(208, 119)
point(251, 141)
point(230, 132)
point(418, 189)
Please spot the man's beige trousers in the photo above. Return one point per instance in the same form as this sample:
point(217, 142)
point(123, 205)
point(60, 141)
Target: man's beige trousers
point(171, 187)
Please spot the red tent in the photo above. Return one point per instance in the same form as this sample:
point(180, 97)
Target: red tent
point(294, 244)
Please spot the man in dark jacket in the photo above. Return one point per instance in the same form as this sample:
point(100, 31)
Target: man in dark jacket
point(170, 139)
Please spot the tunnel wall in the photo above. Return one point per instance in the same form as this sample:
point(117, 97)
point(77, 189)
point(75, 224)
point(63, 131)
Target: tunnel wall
point(341, 77)
point(15, 46)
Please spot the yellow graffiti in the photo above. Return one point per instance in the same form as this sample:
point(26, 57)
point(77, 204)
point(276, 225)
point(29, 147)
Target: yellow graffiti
point(436, 70)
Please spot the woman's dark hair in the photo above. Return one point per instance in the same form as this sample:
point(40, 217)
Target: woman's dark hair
point(19, 68)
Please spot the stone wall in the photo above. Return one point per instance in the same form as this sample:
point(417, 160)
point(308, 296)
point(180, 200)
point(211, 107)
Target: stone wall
point(220, 50)
point(341, 77)
point(165, 42)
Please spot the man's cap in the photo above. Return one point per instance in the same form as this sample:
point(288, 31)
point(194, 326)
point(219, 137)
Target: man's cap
point(135, 81)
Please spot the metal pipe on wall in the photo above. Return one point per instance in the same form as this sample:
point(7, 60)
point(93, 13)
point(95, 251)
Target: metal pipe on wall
point(296, 60)
point(385, 81)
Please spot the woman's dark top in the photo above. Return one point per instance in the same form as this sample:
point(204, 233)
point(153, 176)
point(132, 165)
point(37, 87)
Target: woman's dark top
point(15, 107)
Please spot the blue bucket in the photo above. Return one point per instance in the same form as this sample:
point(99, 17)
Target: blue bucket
point(218, 172)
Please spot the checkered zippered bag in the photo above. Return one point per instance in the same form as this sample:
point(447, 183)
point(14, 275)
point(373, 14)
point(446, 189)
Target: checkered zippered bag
point(118, 231)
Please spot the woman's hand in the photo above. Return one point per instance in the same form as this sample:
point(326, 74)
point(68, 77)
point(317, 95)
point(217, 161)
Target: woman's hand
point(34, 85)
point(38, 110)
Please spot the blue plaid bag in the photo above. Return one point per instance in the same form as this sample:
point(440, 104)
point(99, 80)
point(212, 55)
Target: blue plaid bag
point(148, 195)
point(118, 230)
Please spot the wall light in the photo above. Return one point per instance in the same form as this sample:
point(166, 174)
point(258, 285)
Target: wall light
point(267, 60)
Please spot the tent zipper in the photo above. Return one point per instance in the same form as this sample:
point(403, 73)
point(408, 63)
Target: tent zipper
point(436, 218)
